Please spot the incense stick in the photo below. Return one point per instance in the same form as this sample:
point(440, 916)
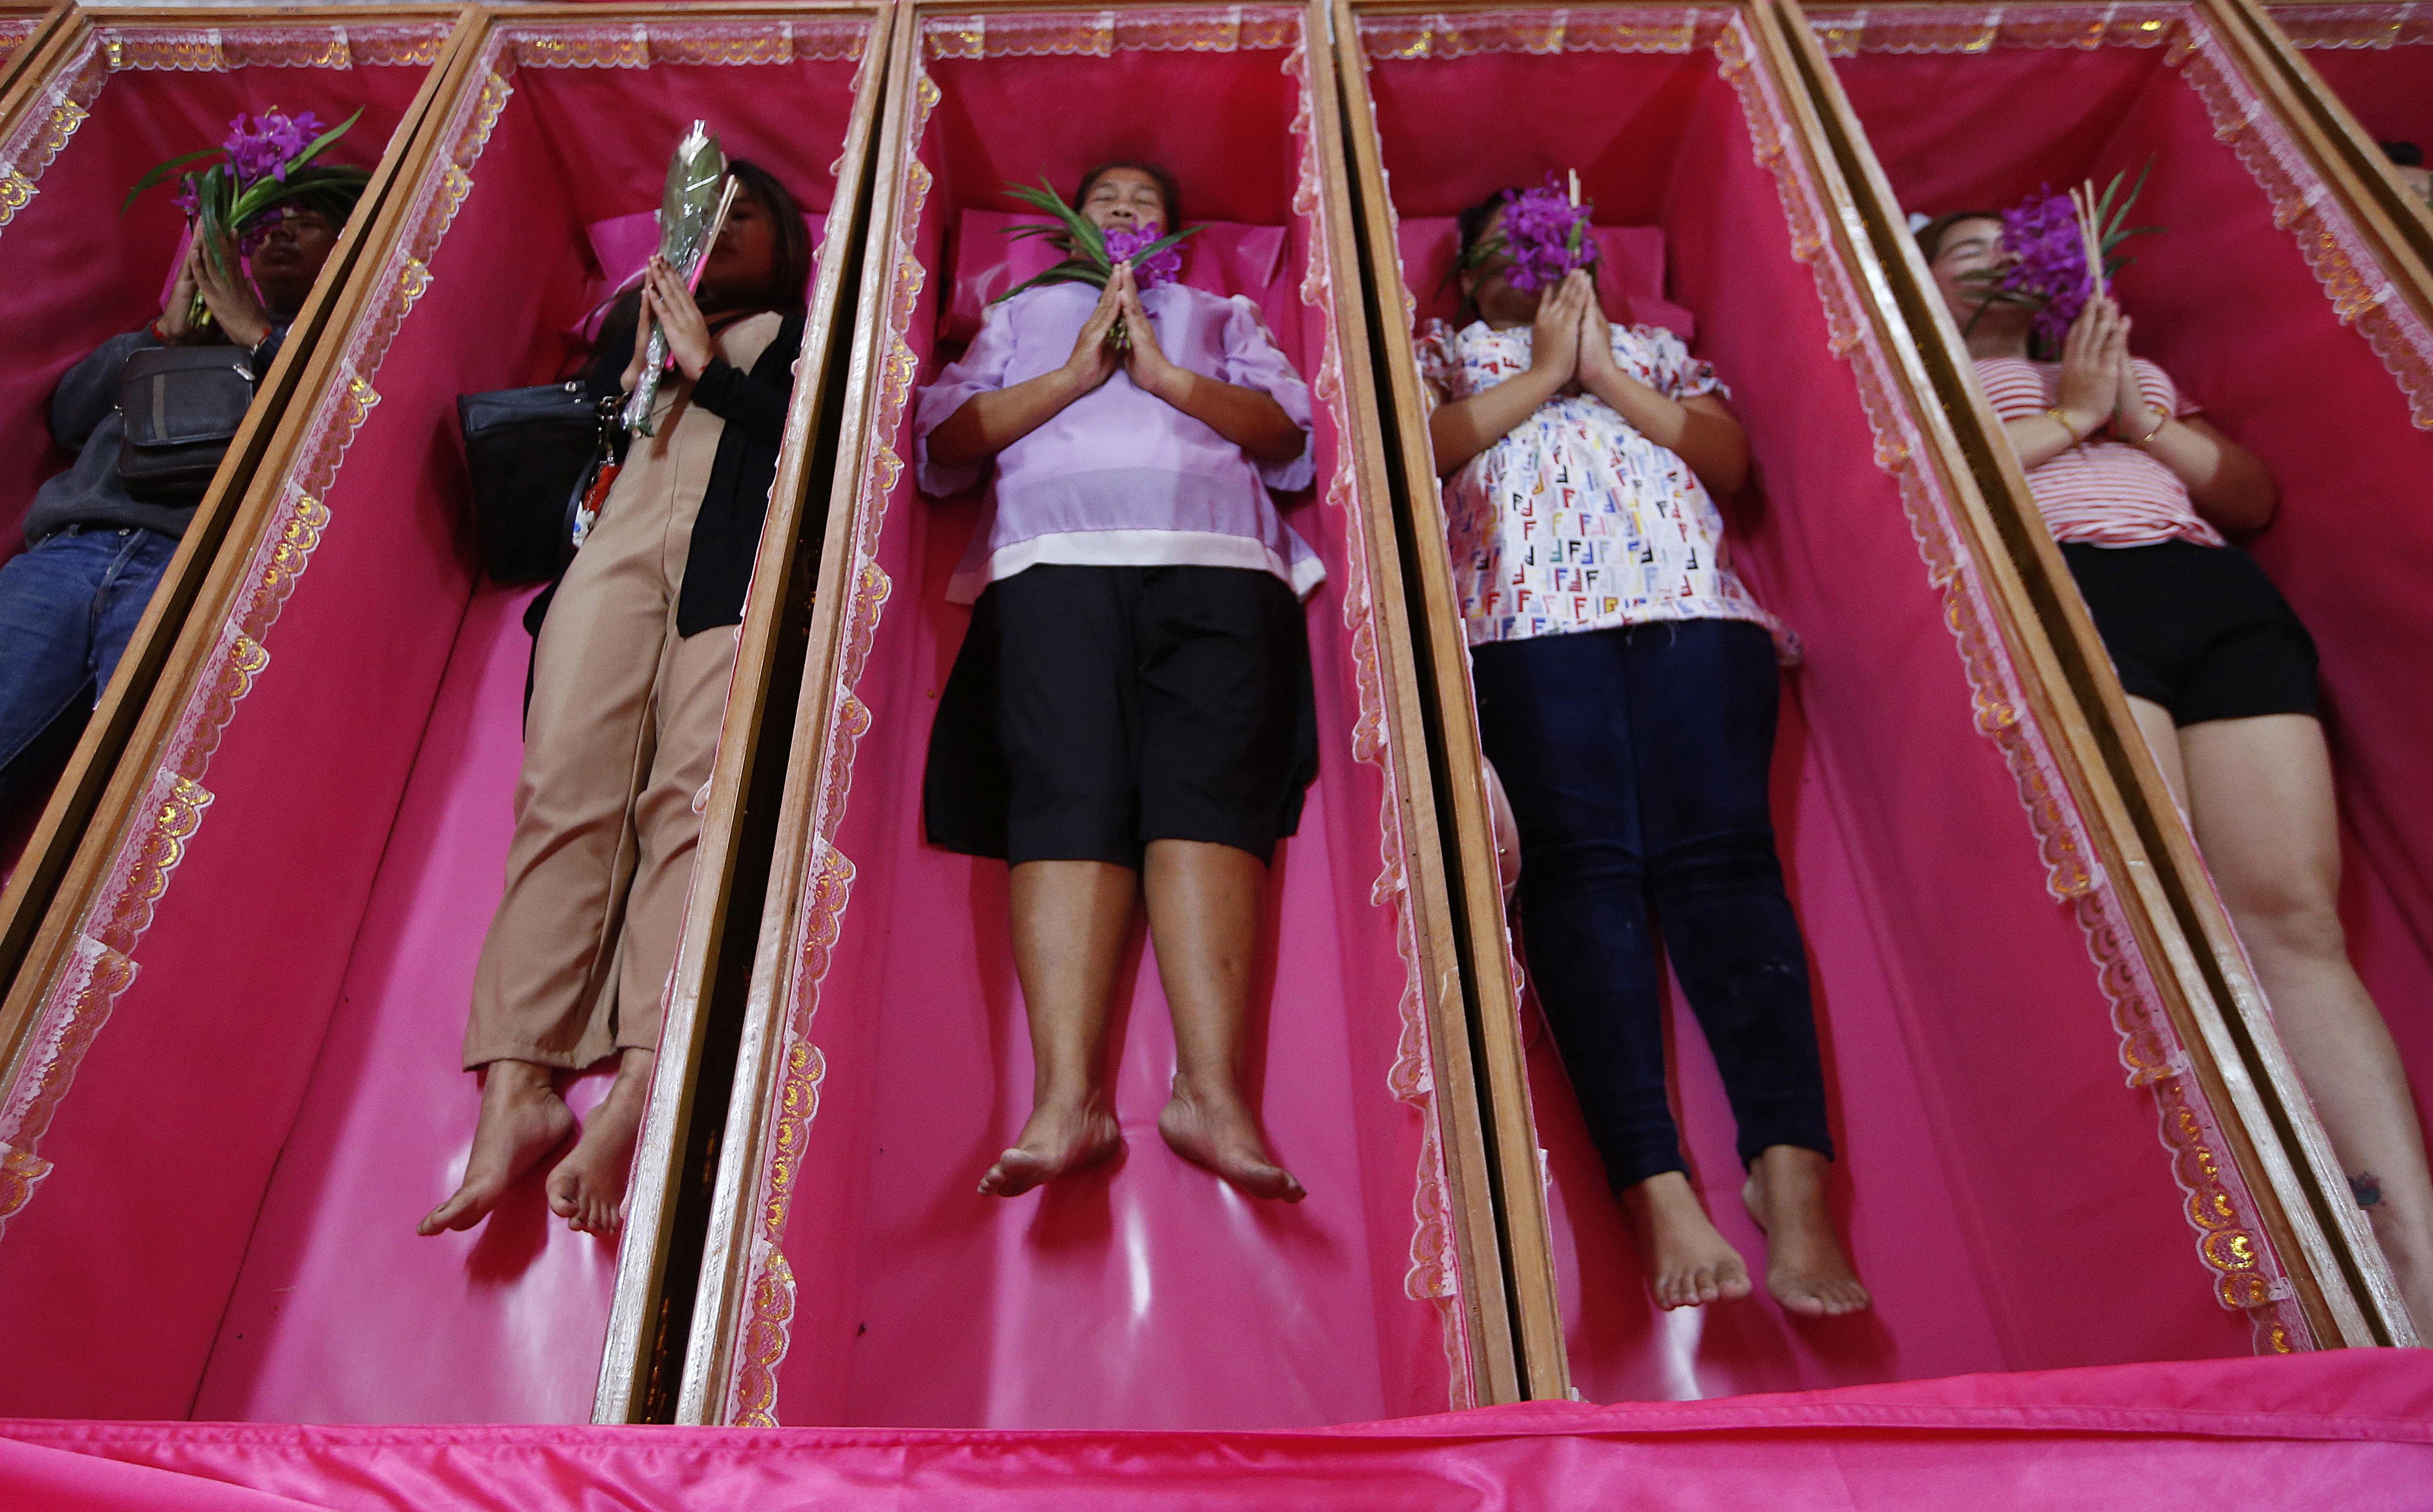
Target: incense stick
point(2082, 200)
point(709, 237)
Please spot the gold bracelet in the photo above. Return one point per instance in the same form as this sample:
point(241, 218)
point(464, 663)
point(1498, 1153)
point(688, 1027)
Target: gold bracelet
point(2061, 417)
point(2161, 418)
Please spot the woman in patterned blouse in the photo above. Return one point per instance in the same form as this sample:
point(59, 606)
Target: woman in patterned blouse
point(1627, 696)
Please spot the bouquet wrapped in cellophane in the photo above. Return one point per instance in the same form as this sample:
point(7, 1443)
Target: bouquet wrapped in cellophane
point(263, 172)
point(692, 214)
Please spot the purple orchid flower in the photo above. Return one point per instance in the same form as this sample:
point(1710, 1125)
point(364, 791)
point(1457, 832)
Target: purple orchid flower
point(1545, 236)
point(1161, 268)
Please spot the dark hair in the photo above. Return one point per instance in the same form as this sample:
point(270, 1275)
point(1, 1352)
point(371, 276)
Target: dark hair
point(2405, 154)
point(1930, 235)
point(1167, 189)
point(1474, 223)
point(791, 265)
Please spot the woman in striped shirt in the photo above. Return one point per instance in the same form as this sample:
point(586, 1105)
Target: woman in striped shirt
point(2221, 676)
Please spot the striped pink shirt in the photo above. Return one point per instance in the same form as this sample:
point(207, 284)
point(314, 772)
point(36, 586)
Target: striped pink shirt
point(2101, 492)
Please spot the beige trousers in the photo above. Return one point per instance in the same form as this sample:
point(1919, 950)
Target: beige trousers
point(621, 733)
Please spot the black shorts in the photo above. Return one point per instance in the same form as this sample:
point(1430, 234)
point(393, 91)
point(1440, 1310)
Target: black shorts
point(2198, 629)
point(1093, 709)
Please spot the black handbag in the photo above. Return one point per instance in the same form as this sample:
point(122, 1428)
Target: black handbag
point(533, 454)
point(181, 406)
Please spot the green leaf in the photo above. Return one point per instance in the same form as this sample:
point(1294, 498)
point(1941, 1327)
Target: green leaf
point(321, 143)
point(160, 172)
point(1061, 273)
point(1080, 232)
point(267, 194)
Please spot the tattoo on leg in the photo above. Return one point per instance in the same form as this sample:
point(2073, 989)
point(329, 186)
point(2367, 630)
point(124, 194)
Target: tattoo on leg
point(2368, 1188)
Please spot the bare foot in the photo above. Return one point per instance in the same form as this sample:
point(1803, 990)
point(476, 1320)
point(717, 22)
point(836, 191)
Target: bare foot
point(1218, 1133)
point(1688, 1264)
point(523, 1119)
point(1058, 1139)
point(587, 1189)
point(1805, 1267)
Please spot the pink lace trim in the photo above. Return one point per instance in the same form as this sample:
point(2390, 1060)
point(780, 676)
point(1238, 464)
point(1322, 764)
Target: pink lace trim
point(1104, 33)
point(2363, 27)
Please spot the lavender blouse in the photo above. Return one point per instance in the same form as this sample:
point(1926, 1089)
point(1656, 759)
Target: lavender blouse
point(1120, 478)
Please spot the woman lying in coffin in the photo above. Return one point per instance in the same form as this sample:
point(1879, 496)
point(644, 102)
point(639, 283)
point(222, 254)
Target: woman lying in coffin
point(2221, 676)
point(1130, 713)
point(1626, 689)
point(628, 689)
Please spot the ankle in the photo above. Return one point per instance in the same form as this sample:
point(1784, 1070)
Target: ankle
point(1208, 1090)
point(517, 1080)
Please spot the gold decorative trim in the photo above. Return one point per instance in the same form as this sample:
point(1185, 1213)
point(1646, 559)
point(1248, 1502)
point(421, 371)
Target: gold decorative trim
point(724, 42)
point(1981, 28)
point(1463, 34)
point(2356, 27)
point(2248, 1275)
point(1105, 33)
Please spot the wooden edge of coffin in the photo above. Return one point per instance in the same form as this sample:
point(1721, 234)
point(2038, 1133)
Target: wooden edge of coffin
point(2199, 970)
point(1482, 1058)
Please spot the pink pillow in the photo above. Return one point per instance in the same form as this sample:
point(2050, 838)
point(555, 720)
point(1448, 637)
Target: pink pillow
point(625, 244)
point(1630, 272)
point(1223, 257)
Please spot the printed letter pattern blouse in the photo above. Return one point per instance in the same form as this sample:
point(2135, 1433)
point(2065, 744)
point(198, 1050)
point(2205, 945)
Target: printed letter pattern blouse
point(1120, 478)
point(1574, 520)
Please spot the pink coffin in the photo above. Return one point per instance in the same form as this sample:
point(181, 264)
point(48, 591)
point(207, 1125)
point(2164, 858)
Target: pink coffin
point(243, 1088)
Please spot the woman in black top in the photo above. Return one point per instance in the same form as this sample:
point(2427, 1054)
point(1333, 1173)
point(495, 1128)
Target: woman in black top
point(629, 688)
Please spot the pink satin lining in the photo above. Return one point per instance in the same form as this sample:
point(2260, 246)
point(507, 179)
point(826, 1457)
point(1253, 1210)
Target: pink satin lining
point(2225, 301)
point(1145, 1294)
point(2389, 89)
point(277, 1099)
point(2346, 1430)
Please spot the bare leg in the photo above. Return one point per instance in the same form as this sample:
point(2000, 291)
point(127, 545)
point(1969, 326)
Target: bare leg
point(1688, 1263)
point(2266, 822)
point(2163, 739)
point(1070, 919)
point(587, 1189)
point(1203, 913)
point(523, 1119)
point(1805, 1267)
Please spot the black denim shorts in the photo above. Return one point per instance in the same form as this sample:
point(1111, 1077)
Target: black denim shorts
point(1093, 709)
point(2198, 629)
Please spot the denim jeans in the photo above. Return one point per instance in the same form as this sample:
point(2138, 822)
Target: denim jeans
point(67, 609)
point(1637, 759)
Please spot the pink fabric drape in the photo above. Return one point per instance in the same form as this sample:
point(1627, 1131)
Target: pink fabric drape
point(2352, 1430)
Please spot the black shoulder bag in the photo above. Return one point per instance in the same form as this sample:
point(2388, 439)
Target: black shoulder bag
point(534, 454)
point(181, 406)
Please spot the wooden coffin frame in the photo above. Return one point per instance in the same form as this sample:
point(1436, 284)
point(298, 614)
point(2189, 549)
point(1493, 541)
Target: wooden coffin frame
point(42, 20)
point(2344, 1290)
point(724, 1304)
point(70, 841)
point(2199, 970)
point(638, 1369)
point(2279, 34)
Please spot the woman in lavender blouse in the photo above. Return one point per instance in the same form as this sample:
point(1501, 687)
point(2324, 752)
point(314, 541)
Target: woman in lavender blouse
point(1131, 714)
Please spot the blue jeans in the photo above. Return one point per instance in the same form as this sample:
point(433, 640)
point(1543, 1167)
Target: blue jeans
point(67, 609)
point(1637, 762)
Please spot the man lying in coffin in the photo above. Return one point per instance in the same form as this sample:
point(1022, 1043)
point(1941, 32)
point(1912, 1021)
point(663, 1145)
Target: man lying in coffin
point(147, 416)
